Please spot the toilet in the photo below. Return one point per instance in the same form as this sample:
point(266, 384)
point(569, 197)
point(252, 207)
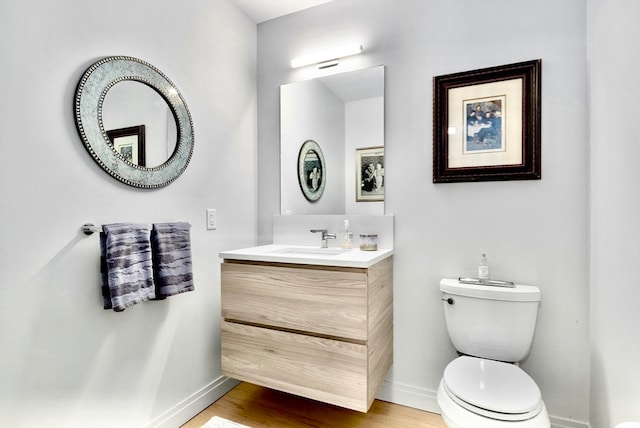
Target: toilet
point(492, 328)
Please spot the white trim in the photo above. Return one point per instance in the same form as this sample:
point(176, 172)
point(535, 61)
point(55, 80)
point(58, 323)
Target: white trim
point(409, 395)
point(559, 422)
point(193, 404)
point(393, 392)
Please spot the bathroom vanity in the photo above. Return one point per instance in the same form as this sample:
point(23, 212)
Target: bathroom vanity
point(308, 321)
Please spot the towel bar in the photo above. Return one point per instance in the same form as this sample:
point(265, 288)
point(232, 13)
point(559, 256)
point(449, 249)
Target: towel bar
point(89, 229)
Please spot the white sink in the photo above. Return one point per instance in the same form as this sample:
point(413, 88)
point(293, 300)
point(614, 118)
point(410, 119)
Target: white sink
point(312, 251)
point(309, 255)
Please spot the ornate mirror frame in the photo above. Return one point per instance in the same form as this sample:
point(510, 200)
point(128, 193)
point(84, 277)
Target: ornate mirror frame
point(306, 168)
point(89, 98)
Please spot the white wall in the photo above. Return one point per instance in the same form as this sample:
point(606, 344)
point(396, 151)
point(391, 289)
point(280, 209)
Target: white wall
point(64, 361)
point(535, 232)
point(614, 67)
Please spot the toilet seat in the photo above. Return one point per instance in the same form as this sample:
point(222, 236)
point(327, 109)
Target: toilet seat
point(492, 389)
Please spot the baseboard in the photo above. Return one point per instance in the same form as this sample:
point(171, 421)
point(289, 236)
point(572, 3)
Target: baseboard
point(427, 400)
point(409, 395)
point(558, 422)
point(194, 404)
point(393, 392)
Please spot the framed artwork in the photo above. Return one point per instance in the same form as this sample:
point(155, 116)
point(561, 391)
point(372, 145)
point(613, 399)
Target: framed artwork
point(486, 124)
point(370, 174)
point(129, 143)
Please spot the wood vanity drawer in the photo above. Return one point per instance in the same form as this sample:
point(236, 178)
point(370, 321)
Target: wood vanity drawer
point(314, 300)
point(322, 332)
point(322, 369)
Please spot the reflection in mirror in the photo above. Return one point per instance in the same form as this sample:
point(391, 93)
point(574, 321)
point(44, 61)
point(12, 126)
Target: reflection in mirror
point(129, 143)
point(343, 113)
point(370, 174)
point(311, 171)
point(130, 103)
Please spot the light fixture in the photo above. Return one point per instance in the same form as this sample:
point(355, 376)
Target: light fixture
point(327, 58)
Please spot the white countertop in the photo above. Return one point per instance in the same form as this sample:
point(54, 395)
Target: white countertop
point(308, 255)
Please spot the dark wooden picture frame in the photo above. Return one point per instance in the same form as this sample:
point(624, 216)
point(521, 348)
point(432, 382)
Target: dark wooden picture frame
point(504, 142)
point(123, 144)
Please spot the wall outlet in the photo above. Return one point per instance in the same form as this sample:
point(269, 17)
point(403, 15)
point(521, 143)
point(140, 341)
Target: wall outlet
point(211, 219)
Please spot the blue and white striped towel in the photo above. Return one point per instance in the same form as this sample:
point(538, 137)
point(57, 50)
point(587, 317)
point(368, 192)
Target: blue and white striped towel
point(127, 271)
point(171, 243)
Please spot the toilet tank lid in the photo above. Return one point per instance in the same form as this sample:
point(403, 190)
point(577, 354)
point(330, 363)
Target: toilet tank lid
point(519, 293)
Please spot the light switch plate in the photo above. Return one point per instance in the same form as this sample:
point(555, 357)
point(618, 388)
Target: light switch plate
point(211, 219)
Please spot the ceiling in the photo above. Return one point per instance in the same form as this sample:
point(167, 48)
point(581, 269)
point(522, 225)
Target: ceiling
point(264, 10)
point(367, 85)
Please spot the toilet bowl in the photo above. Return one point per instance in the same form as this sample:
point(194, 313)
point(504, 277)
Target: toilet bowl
point(481, 393)
point(492, 329)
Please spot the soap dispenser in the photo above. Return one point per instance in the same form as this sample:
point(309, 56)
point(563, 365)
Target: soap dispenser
point(346, 236)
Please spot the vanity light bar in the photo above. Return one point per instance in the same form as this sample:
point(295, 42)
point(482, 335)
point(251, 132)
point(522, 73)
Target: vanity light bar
point(327, 58)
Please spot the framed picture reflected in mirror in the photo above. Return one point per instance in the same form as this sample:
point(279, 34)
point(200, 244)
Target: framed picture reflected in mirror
point(370, 174)
point(129, 143)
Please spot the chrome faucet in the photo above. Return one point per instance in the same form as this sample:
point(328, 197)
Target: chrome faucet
point(325, 236)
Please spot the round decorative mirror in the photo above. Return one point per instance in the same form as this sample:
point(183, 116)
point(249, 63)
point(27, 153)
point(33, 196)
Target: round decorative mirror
point(143, 135)
point(311, 170)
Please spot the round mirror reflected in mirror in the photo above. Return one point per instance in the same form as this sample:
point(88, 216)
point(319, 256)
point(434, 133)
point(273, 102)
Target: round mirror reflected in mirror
point(311, 170)
point(117, 141)
point(139, 123)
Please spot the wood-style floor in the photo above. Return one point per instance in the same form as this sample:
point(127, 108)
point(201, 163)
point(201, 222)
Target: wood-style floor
point(259, 407)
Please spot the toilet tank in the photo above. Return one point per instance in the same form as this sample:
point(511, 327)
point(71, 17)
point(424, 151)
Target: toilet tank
point(490, 322)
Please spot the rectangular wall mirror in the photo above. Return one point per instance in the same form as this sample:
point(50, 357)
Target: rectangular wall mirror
point(344, 115)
